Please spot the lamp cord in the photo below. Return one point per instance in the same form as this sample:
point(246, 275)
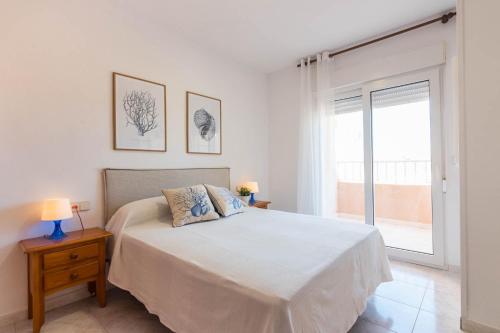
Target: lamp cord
point(79, 217)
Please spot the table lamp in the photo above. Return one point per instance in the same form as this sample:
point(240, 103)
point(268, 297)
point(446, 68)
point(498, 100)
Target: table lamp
point(56, 210)
point(254, 188)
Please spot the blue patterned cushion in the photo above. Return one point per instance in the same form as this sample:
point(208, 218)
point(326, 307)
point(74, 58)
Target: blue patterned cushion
point(189, 205)
point(226, 203)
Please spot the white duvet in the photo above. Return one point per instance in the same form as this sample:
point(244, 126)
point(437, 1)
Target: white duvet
point(258, 271)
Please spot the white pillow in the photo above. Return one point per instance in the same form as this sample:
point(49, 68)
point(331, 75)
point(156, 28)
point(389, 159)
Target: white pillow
point(226, 202)
point(189, 205)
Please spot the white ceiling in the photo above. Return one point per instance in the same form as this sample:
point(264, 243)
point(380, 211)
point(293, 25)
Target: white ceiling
point(271, 34)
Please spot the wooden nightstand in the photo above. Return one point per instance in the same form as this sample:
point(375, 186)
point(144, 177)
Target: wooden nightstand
point(56, 265)
point(261, 204)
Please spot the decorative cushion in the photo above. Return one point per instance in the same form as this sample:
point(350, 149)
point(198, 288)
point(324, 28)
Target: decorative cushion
point(189, 205)
point(226, 203)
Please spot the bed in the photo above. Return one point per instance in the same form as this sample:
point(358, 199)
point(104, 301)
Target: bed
point(257, 271)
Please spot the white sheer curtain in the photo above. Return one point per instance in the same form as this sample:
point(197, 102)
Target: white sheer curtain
point(316, 168)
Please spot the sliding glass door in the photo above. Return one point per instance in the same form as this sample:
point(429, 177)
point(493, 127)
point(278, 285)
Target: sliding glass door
point(388, 157)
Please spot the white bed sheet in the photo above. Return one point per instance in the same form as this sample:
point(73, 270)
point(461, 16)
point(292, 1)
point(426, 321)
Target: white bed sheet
point(259, 271)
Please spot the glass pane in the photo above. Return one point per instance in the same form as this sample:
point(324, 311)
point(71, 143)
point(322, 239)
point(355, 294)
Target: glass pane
point(349, 159)
point(402, 166)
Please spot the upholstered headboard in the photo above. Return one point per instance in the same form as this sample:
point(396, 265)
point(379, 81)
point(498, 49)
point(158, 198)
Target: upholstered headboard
point(122, 186)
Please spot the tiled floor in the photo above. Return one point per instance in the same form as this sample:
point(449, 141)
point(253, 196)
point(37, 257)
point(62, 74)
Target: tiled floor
point(419, 300)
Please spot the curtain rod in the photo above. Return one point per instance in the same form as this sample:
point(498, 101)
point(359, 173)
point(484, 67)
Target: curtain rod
point(443, 19)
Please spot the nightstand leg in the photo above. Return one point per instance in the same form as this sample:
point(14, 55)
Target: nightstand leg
point(101, 292)
point(101, 278)
point(38, 313)
point(38, 293)
point(30, 297)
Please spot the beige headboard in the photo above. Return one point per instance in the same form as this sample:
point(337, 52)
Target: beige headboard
point(122, 186)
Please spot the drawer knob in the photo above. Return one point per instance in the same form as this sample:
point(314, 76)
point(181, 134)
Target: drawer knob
point(73, 276)
point(73, 256)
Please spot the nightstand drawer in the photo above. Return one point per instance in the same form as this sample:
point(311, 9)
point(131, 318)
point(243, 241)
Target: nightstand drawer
point(69, 275)
point(65, 257)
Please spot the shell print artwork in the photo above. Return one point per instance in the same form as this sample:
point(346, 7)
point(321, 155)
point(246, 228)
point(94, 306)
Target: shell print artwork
point(205, 123)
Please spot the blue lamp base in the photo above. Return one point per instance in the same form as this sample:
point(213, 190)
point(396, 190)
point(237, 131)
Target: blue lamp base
point(251, 202)
point(57, 234)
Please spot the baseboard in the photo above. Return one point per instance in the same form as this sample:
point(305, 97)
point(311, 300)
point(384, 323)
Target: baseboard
point(454, 268)
point(65, 297)
point(473, 327)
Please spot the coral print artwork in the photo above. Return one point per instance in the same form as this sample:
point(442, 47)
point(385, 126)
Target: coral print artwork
point(203, 124)
point(139, 110)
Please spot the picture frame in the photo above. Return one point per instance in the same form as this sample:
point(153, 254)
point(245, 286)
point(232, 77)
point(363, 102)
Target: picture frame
point(203, 124)
point(139, 114)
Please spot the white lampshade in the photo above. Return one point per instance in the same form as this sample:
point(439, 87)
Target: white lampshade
point(252, 186)
point(56, 209)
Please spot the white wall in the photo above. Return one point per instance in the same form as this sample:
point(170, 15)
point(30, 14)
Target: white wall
point(56, 62)
point(480, 160)
point(349, 69)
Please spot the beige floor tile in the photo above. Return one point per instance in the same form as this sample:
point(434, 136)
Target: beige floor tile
point(363, 326)
point(117, 315)
point(418, 270)
point(422, 272)
point(441, 303)
point(402, 292)
point(434, 278)
point(26, 326)
point(428, 322)
point(125, 314)
point(137, 323)
point(7, 328)
point(408, 277)
point(57, 313)
point(390, 314)
point(76, 322)
point(119, 304)
point(23, 326)
point(445, 281)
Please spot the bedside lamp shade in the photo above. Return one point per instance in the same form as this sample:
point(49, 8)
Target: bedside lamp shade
point(252, 186)
point(56, 209)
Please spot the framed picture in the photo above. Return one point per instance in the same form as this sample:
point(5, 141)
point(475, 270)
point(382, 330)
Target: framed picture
point(139, 114)
point(204, 121)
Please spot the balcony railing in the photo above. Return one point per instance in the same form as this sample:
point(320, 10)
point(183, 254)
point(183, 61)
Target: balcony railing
point(416, 172)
